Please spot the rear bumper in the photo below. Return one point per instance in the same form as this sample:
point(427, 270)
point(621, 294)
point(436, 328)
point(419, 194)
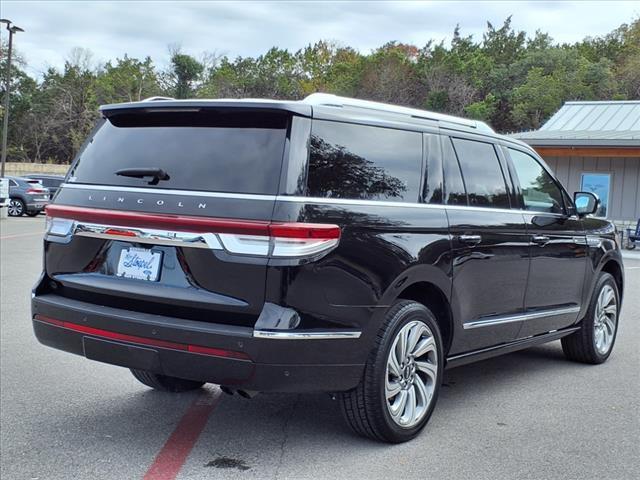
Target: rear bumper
point(36, 204)
point(232, 356)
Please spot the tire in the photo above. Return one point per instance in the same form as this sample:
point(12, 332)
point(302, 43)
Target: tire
point(16, 207)
point(165, 383)
point(367, 409)
point(33, 213)
point(594, 341)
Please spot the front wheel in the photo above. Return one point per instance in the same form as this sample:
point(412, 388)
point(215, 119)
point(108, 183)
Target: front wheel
point(594, 341)
point(165, 383)
point(402, 377)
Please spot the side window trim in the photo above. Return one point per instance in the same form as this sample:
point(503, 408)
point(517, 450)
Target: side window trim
point(518, 199)
point(508, 178)
point(445, 192)
point(432, 169)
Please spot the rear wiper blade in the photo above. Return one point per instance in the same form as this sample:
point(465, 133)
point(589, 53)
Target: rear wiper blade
point(157, 174)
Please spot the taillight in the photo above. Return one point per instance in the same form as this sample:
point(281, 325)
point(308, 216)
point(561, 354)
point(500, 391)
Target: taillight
point(243, 237)
point(302, 239)
point(36, 190)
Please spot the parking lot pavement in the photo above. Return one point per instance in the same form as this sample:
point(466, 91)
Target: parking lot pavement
point(530, 414)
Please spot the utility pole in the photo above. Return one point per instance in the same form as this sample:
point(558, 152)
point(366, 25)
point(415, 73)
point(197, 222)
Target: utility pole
point(5, 127)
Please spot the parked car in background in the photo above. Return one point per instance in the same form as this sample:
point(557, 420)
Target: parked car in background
point(52, 182)
point(26, 196)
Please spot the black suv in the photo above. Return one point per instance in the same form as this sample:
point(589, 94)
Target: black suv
point(327, 245)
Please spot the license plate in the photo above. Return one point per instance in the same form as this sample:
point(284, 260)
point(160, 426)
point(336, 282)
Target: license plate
point(139, 263)
point(45, 198)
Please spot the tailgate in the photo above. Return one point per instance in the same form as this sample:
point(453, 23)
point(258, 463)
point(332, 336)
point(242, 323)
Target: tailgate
point(190, 243)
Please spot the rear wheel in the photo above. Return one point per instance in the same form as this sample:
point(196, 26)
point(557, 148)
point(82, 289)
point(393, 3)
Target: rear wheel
point(16, 207)
point(594, 341)
point(165, 383)
point(402, 377)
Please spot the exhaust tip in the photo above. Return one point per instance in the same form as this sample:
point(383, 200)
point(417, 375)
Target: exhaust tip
point(226, 390)
point(248, 394)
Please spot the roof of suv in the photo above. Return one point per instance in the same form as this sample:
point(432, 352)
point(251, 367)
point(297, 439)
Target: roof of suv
point(321, 105)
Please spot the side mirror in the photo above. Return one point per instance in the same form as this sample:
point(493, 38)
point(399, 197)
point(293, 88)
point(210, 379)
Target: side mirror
point(586, 203)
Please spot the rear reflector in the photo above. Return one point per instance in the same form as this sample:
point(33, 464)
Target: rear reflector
point(246, 237)
point(98, 332)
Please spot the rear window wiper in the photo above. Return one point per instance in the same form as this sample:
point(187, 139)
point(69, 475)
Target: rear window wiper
point(157, 174)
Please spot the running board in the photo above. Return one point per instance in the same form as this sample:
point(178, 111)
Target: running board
point(485, 353)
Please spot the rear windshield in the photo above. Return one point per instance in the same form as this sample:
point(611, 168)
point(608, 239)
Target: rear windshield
point(213, 150)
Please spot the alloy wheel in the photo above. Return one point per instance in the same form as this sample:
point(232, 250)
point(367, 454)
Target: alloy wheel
point(411, 374)
point(15, 208)
point(605, 320)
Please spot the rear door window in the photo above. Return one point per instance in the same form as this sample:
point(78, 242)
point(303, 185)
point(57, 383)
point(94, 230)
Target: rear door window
point(213, 150)
point(364, 162)
point(482, 173)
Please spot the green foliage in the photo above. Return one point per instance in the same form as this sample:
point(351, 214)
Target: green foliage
point(185, 73)
point(506, 78)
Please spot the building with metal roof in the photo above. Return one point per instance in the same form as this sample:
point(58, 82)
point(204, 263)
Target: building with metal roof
point(595, 146)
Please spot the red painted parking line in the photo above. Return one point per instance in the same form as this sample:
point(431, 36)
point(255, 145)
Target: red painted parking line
point(18, 235)
point(175, 451)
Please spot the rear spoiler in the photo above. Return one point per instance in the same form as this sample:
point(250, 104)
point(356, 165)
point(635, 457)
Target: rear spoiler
point(196, 105)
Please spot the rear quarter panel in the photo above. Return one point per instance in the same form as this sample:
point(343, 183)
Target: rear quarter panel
point(383, 250)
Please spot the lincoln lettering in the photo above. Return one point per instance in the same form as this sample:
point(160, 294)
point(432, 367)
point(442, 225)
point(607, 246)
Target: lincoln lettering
point(142, 201)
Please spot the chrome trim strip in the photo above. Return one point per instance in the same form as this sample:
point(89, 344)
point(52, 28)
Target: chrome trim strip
point(520, 317)
point(386, 203)
point(166, 191)
point(291, 335)
point(298, 199)
point(145, 235)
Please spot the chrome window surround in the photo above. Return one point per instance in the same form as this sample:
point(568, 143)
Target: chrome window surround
point(298, 199)
point(500, 320)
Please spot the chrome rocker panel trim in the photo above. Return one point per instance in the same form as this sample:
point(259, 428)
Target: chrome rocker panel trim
point(492, 321)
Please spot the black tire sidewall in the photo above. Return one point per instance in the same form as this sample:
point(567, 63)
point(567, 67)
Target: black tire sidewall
point(408, 312)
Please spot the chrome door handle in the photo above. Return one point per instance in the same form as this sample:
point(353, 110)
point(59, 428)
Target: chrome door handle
point(470, 239)
point(540, 239)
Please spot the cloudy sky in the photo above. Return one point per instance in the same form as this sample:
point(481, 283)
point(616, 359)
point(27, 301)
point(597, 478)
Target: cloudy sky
point(111, 29)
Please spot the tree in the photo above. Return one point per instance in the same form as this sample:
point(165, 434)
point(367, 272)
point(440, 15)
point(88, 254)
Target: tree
point(505, 78)
point(184, 75)
point(537, 99)
point(128, 80)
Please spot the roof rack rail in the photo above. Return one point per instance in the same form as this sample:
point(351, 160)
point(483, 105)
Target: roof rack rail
point(156, 99)
point(331, 100)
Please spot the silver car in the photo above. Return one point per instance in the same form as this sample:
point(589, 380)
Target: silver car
point(26, 196)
